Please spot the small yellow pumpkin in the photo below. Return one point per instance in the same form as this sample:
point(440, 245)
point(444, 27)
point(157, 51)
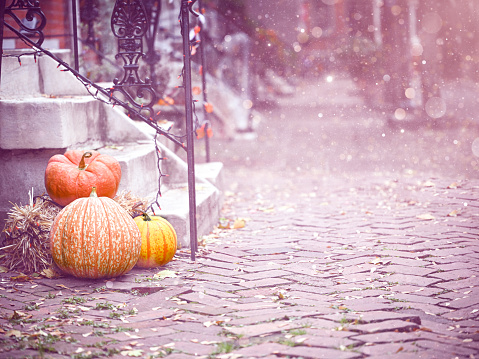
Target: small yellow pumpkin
point(158, 241)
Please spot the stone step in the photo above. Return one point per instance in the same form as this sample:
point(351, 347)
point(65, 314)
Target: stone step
point(139, 174)
point(43, 77)
point(64, 122)
point(174, 203)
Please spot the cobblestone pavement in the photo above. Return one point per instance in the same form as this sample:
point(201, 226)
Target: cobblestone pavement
point(308, 262)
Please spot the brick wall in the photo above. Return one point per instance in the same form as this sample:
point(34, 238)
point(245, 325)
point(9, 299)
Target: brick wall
point(57, 30)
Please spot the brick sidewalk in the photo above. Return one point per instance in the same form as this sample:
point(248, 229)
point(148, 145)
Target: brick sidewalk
point(329, 264)
point(387, 268)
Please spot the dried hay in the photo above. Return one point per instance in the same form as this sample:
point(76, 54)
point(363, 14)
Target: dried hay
point(27, 231)
point(134, 205)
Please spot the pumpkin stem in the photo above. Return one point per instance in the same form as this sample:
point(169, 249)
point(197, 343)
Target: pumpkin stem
point(82, 166)
point(146, 217)
point(93, 192)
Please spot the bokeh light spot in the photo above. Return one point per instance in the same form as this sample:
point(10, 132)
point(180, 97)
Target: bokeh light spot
point(302, 37)
point(396, 10)
point(247, 104)
point(431, 23)
point(435, 107)
point(400, 114)
point(317, 32)
point(416, 49)
point(410, 93)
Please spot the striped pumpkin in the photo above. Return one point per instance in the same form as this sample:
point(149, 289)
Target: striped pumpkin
point(94, 237)
point(158, 241)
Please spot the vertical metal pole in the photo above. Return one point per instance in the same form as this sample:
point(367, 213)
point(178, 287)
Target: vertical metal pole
point(2, 13)
point(203, 80)
point(75, 34)
point(190, 151)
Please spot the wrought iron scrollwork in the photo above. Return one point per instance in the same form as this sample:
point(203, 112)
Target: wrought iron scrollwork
point(33, 23)
point(129, 24)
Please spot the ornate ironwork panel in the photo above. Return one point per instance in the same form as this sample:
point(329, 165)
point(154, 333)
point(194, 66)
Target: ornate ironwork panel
point(33, 22)
point(129, 24)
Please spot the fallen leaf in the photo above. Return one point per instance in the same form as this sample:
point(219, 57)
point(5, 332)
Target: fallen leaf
point(454, 213)
point(208, 107)
point(14, 333)
point(62, 286)
point(425, 216)
point(21, 278)
point(115, 147)
point(18, 314)
point(57, 333)
point(166, 101)
point(165, 274)
point(40, 332)
point(428, 184)
point(132, 353)
point(50, 273)
point(453, 185)
point(424, 329)
point(239, 223)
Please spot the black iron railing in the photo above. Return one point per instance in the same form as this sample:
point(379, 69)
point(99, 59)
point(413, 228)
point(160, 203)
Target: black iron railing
point(130, 24)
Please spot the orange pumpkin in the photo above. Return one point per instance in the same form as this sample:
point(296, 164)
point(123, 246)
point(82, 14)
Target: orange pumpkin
point(158, 241)
point(72, 175)
point(94, 237)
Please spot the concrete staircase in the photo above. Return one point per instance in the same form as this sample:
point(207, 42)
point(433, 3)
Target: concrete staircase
point(44, 111)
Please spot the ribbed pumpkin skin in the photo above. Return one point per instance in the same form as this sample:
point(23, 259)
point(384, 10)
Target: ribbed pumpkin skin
point(94, 237)
point(158, 241)
point(65, 182)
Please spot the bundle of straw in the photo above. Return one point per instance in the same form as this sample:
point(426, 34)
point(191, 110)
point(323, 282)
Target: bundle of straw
point(134, 205)
point(27, 229)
